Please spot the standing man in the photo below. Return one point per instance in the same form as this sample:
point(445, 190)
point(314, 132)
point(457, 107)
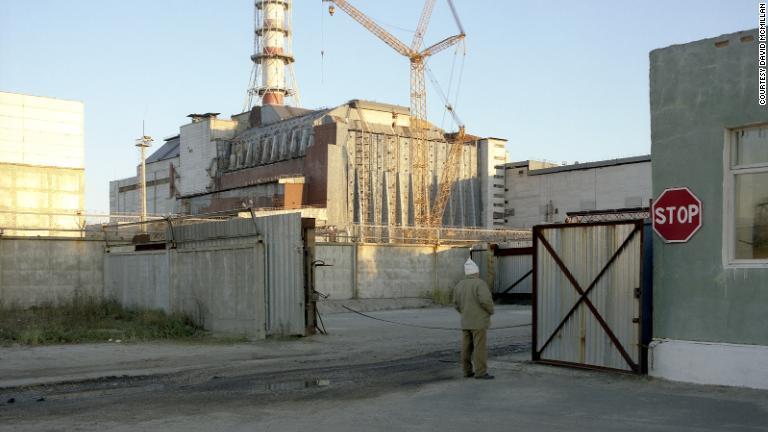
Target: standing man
point(472, 299)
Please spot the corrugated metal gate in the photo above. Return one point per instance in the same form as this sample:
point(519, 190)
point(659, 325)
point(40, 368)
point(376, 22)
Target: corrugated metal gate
point(514, 272)
point(587, 305)
point(285, 296)
point(507, 270)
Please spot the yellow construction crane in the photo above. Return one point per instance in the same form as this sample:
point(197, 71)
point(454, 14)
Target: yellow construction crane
point(417, 57)
point(447, 177)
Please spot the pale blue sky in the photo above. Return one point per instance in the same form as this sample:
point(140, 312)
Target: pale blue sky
point(563, 81)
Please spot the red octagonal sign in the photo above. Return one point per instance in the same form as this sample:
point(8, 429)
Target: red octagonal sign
point(676, 215)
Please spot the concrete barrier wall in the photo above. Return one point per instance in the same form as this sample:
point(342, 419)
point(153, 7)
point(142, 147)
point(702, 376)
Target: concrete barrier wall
point(337, 280)
point(450, 266)
point(386, 271)
point(36, 271)
point(383, 271)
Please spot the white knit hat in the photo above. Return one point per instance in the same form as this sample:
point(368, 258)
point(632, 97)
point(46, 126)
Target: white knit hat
point(470, 267)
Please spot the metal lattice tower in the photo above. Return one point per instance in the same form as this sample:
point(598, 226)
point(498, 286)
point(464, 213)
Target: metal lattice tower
point(272, 76)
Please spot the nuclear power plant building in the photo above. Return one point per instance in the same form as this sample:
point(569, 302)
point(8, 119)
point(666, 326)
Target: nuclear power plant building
point(345, 165)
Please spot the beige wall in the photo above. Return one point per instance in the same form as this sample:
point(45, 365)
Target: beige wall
point(40, 197)
point(41, 164)
point(41, 131)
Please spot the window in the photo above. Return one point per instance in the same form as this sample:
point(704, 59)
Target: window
point(746, 196)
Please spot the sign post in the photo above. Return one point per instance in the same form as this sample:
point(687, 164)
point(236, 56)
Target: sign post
point(676, 215)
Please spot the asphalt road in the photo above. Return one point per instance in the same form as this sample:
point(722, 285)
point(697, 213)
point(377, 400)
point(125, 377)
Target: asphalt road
point(366, 375)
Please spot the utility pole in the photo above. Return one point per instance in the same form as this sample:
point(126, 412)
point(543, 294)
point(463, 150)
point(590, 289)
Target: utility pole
point(143, 143)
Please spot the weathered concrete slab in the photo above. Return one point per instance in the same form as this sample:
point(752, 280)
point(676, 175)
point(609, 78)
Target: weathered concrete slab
point(35, 271)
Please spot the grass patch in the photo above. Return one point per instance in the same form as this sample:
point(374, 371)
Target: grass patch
point(89, 320)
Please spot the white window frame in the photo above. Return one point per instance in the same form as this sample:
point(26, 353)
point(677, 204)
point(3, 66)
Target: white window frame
point(729, 217)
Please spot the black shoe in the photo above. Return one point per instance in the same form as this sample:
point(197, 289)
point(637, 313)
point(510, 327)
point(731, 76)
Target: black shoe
point(469, 375)
point(484, 376)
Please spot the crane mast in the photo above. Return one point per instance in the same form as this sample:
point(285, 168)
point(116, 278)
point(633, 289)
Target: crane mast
point(418, 98)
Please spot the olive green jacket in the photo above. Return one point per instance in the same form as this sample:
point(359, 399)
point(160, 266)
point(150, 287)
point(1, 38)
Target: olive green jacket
point(472, 299)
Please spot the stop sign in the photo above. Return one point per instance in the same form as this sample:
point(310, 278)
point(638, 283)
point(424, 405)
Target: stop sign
point(676, 215)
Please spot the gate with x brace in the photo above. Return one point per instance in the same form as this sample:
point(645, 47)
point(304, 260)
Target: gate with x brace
point(592, 295)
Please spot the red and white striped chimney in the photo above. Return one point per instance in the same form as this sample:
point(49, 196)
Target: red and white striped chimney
point(272, 51)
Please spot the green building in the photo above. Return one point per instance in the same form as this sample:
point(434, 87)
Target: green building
point(709, 133)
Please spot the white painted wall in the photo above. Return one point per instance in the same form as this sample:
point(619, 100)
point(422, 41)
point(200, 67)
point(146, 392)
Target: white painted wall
point(41, 131)
point(604, 188)
point(709, 363)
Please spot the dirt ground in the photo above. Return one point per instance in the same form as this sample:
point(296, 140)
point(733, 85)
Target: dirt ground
point(365, 375)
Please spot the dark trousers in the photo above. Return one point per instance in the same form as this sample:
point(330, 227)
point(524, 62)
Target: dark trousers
point(474, 345)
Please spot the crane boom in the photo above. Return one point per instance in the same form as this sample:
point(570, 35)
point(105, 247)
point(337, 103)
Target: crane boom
point(421, 29)
point(447, 178)
point(456, 16)
point(374, 28)
point(442, 45)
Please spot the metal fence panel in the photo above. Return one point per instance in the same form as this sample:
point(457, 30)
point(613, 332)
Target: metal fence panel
point(139, 279)
point(222, 287)
point(587, 309)
point(285, 273)
point(213, 233)
point(284, 255)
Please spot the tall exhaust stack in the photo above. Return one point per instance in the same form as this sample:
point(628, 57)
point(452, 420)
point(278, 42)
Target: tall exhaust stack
point(272, 77)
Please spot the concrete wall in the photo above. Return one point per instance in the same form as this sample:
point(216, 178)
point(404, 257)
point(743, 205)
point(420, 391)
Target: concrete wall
point(384, 271)
point(337, 280)
point(36, 271)
point(41, 131)
point(534, 198)
point(709, 318)
point(449, 263)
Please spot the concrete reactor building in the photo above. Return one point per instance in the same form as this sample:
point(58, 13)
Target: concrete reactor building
point(351, 164)
point(42, 185)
